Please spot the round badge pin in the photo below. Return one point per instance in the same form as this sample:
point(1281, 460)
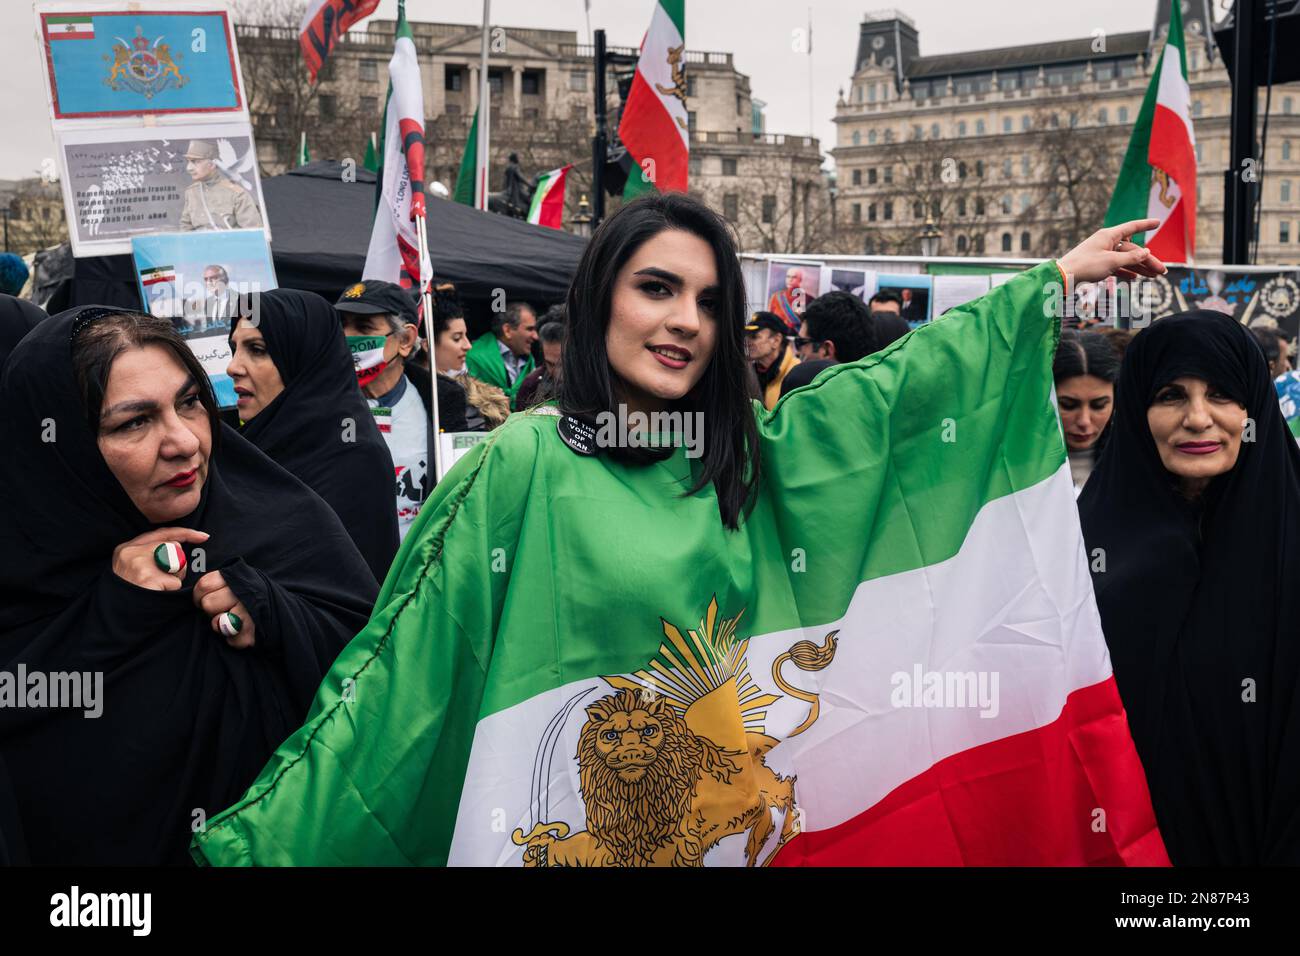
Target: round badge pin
point(579, 435)
point(169, 557)
point(229, 624)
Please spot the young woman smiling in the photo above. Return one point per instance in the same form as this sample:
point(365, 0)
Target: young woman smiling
point(538, 536)
point(134, 524)
point(1192, 523)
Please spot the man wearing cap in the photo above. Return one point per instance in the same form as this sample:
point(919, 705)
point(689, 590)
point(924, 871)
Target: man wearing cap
point(380, 323)
point(212, 201)
point(769, 350)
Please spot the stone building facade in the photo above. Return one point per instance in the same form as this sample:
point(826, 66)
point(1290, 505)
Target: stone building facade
point(541, 86)
point(1016, 150)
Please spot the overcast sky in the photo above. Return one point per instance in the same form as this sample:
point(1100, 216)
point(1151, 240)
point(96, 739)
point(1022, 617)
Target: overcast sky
point(757, 32)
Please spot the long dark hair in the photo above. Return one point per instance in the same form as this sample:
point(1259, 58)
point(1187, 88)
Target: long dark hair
point(1085, 353)
point(586, 389)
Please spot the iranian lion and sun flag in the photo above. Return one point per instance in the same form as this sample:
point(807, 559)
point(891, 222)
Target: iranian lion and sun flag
point(938, 694)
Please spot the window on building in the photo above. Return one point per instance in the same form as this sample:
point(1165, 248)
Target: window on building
point(1006, 205)
point(690, 121)
point(368, 71)
point(934, 210)
point(934, 130)
point(888, 210)
point(871, 213)
point(740, 105)
point(961, 243)
point(961, 169)
point(1007, 82)
point(871, 176)
point(979, 244)
point(496, 82)
point(1286, 190)
point(1196, 107)
point(530, 84)
point(917, 132)
point(889, 174)
point(369, 105)
point(979, 127)
point(1029, 78)
point(1024, 202)
point(857, 138)
point(963, 86)
point(690, 84)
point(871, 137)
point(1024, 242)
point(328, 106)
point(857, 177)
point(453, 79)
point(769, 209)
point(1123, 114)
point(1193, 59)
point(1024, 164)
point(729, 166)
point(1006, 124)
point(326, 71)
point(1025, 123)
point(1127, 68)
point(578, 81)
point(1054, 121)
point(1006, 242)
point(961, 205)
point(1286, 105)
point(1286, 149)
point(1006, 169)
point(961, 127)
point(979, 206)
point(1103, 71)
point(871, 93)
point(1284, 232)
point(918, 210)
point(1074, 118)
point(979, 169)
point(1199, 157)
point(1103, 117)
point(731, 206)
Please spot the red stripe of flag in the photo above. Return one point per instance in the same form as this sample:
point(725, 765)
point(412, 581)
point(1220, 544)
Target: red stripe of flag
point(649, 132)
point(1170, 149)
point(330, 21)
point(994, 805)
point(412, 131)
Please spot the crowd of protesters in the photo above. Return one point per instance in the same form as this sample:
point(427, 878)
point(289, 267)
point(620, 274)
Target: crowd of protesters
point(286, 520)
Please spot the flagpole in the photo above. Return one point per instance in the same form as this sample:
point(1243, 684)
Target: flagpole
point(484, 115)
point(426, 306)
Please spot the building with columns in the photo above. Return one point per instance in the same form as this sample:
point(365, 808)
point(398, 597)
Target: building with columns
point(541, 84)
point(1016, 149)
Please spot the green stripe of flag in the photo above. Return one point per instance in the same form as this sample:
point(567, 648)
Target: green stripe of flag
point(676, 10)
point(71, 19)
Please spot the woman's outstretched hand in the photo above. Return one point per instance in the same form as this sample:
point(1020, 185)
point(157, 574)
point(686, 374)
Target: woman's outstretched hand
point(1109, 252)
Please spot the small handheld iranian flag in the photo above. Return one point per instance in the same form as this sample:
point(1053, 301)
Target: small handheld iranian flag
point(393, 255)
point(1158, 177)
point(548, 198)
point(654, 127)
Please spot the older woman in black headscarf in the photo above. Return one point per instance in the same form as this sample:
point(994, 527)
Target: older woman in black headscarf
point(300, 404)
point(1192, 522)
point(191, 592)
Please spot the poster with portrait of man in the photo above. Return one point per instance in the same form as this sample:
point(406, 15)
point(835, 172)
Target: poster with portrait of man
point(196, 280)
point(790, 287)
point(125, 182)
point(915, 292)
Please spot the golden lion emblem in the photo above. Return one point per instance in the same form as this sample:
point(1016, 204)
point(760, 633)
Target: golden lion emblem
point(674, 761)
point(678, 89)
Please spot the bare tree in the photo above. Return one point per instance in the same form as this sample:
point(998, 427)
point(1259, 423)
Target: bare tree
point(1076, 173)
point(35, 218)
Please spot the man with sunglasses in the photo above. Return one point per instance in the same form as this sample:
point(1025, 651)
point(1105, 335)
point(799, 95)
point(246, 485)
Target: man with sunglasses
point(769, 350)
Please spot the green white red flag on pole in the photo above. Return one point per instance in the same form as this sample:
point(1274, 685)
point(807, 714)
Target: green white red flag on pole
point(654, 126)
point(394, 254)
point(1158, 177)
point(547, 208)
